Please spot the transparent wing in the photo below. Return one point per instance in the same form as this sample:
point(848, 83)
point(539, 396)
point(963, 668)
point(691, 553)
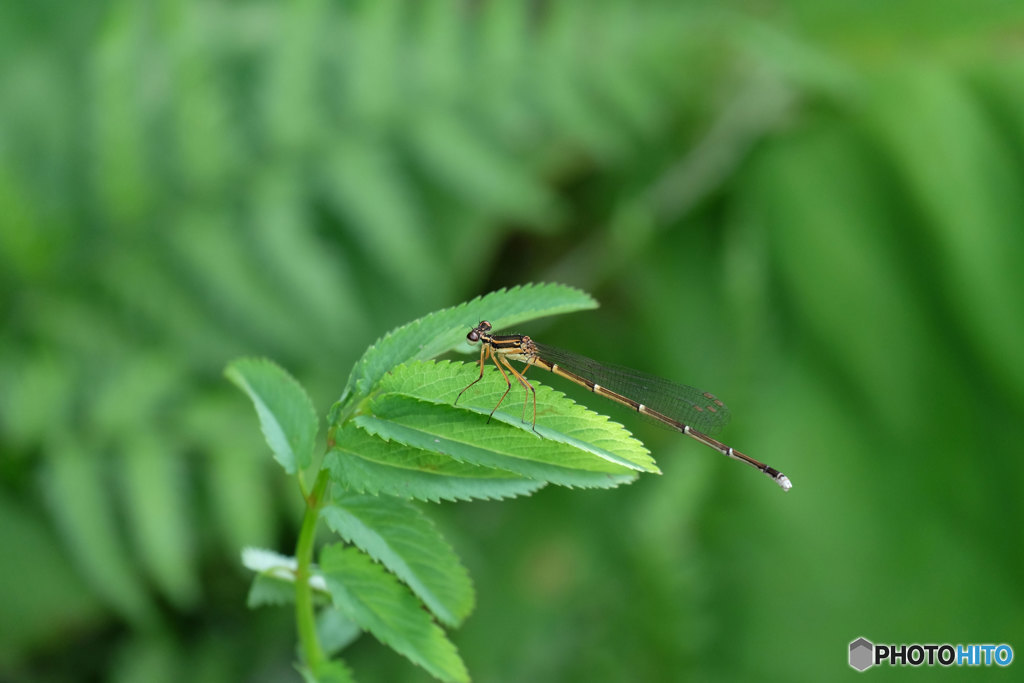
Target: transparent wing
point(686, 404)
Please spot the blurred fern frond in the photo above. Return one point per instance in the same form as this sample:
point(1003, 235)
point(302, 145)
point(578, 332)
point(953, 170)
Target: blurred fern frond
point(183, 182)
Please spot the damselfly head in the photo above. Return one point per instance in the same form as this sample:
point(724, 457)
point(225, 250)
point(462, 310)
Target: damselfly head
point(477, 332)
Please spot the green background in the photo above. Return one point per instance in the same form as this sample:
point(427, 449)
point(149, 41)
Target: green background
point(815, 210)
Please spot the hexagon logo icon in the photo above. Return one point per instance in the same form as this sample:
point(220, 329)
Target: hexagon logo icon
point(862, 654)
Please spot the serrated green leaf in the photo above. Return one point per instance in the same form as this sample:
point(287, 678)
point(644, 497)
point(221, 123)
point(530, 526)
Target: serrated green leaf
point(375, 600)
point(442, 331)
point(286, 413)
point(414, 406)
point(396, 534)
point(362, 462)
point(472, 439)
point(558, 417)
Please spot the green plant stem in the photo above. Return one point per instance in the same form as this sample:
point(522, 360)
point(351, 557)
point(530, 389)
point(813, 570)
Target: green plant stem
point(305, 617)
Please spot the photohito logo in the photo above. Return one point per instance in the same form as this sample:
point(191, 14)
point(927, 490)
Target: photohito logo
point(865, 654)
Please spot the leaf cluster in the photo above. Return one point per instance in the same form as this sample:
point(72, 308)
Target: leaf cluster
point(396, 436)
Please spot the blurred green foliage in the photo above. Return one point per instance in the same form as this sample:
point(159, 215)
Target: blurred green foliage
point(814, 210)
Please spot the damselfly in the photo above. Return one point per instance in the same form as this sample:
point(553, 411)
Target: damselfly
point(683, 408)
